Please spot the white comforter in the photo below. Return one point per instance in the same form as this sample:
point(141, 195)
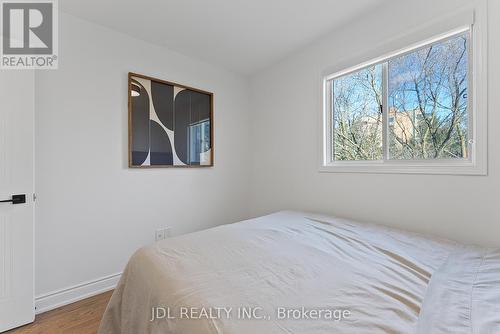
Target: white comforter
point(298, 273)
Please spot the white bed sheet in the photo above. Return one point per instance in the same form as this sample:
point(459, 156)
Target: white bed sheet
point(379, 279)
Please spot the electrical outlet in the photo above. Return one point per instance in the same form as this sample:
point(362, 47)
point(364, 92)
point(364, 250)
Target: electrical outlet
point(159, 235)
point(163, 233)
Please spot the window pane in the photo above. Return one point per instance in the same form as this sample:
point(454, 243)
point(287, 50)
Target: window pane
point(199, 142)
point(357, 118)
point(428, 116)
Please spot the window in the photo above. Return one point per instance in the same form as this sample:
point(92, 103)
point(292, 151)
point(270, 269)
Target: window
point(412, 109)
point(427, 95)
point(199, 142)
point(357, 116)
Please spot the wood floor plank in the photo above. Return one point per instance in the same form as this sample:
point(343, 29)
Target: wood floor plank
point(82, 317)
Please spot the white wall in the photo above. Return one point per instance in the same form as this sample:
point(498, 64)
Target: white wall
point(92, 211)
point(286, 103)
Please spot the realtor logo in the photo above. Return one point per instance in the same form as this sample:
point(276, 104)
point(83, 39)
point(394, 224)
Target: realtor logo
point(29, 34)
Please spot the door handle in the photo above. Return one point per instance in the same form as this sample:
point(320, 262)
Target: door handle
point(16, 199)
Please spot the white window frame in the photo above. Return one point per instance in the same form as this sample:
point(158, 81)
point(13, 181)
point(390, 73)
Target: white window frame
point(476, 164)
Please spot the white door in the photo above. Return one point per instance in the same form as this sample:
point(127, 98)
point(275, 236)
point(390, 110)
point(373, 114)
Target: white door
point(16, 178)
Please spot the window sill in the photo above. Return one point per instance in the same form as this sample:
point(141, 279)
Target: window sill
point(432, 168)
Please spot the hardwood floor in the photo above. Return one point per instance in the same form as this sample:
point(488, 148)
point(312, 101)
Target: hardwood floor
point(82, 317)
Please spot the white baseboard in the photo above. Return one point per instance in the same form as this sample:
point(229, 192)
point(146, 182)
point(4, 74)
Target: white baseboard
point(55, 299)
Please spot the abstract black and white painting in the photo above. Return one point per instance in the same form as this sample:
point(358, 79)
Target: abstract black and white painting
point(170, 125)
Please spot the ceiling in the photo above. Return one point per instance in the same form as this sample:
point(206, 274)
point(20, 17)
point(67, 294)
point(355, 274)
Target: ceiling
point(241, 35)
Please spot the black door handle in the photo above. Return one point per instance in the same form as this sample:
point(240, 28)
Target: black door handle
point(16, 199)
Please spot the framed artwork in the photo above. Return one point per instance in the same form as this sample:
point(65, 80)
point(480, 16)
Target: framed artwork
point(170, 125)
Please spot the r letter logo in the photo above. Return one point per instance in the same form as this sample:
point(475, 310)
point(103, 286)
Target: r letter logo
point(29, 34)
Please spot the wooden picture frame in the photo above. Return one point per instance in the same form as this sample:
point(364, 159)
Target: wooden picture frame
point(169, 124)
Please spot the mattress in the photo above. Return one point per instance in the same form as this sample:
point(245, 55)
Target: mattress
point(293, 272)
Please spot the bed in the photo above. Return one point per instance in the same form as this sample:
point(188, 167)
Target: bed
point(293, 272)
